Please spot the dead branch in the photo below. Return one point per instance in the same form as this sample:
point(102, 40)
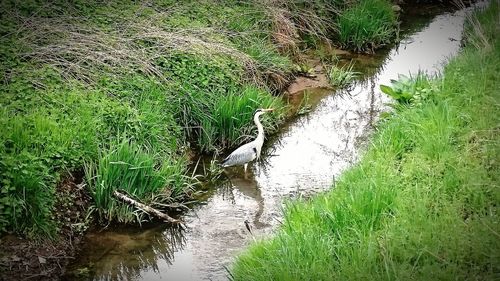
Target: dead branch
point(145, 208)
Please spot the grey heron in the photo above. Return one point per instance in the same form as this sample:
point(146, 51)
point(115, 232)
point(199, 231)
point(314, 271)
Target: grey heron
point(249, 151)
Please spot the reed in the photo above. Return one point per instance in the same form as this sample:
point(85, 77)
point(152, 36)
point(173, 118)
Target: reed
point(130, 168)
point(367, 25)
point(341, 76)
point(230, 122)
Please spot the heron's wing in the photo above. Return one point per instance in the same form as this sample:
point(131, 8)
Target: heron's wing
point(241, 155)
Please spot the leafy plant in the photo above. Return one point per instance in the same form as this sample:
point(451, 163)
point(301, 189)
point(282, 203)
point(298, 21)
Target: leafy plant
point(407, 90)
point(27, 195)
point(215, 74)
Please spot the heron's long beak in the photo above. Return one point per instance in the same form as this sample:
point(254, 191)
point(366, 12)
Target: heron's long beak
point(268, 109)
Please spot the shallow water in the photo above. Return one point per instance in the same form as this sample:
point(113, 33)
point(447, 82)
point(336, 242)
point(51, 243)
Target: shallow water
point(301, 160)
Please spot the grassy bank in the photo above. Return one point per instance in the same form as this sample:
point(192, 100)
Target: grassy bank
point(423, 202)
point(115, 95)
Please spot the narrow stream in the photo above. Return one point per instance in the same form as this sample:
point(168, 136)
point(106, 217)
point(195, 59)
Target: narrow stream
point(303, 159)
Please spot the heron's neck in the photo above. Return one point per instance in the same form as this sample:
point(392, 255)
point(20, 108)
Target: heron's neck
point(260, 135)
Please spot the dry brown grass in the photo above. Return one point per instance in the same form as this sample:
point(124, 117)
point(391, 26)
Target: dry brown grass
point(285, 32)
point(290, 19)
point(82, 52)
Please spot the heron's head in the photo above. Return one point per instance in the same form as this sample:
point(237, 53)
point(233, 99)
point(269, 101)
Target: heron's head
point(261, 111)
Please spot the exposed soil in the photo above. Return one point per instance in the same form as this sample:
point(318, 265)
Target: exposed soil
point(317, 79)
point(26, 259)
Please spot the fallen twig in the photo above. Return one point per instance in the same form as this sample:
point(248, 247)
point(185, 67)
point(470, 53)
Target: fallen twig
point(145, 208)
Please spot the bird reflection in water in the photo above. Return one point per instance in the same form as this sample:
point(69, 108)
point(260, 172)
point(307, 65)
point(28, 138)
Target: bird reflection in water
point(247, 186)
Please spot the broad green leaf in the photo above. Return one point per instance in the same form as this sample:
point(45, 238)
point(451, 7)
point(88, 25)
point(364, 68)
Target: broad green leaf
point(388, 91)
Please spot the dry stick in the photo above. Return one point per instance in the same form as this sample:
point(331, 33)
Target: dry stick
point(145, 208)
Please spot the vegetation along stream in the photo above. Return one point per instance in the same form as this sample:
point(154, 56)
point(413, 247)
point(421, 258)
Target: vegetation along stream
point(302, 159)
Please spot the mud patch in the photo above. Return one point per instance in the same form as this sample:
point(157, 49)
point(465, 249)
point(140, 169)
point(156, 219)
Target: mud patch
point(318, 79)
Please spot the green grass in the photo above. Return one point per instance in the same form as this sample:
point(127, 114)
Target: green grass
point(341, 76)
point(423, 202)
point(367, 25)
point(226, 125)
point(128, 168)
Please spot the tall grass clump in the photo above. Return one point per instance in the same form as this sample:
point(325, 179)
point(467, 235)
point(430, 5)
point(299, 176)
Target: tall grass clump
point(213, 105)
point(366, 25)
point(341, 76)
point(423, 202)
point(230, 121)
point(131, 169)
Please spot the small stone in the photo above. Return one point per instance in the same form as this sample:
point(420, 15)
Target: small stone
point(42, 260)
point(396, 8)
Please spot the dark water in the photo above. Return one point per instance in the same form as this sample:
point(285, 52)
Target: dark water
point(303, 159)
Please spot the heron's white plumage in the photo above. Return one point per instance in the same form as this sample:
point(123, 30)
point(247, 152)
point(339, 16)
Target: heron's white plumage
point(250, 151)
point(241, 155)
